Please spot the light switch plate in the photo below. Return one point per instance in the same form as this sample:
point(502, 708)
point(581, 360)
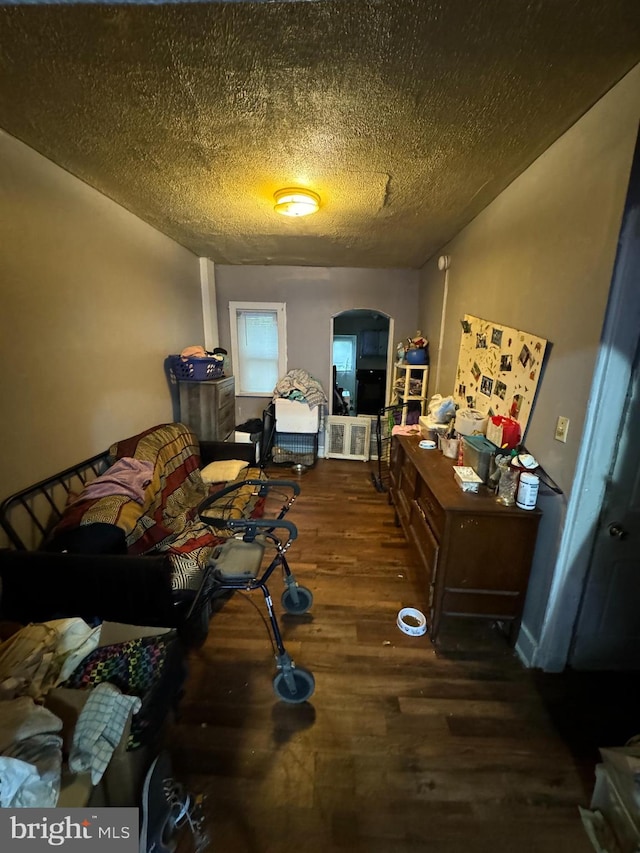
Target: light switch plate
point(562, 428)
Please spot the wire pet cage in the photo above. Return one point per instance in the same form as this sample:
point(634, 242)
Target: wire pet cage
point(295, 448)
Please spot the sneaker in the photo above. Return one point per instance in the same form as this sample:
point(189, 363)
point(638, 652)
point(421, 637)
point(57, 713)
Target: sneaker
point(166, 807)
point(193, 816)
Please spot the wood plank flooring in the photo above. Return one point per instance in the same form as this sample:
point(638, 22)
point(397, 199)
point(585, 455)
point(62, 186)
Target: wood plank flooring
point(404, 747)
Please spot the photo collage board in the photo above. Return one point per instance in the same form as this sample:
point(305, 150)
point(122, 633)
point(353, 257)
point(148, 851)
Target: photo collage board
point(498, 369)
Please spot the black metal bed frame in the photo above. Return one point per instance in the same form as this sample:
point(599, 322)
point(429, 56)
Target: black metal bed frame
point(42, 504)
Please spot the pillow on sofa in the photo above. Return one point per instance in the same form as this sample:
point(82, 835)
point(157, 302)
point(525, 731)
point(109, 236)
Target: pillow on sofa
point(223, 470)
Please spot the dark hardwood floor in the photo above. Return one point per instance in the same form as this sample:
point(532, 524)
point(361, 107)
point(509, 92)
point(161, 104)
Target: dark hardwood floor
point(404, 746)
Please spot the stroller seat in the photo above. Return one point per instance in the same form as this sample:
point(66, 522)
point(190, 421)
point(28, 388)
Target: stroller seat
point(238, 560)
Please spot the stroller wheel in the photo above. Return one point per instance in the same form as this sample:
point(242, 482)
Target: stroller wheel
point(304, 602)
point(305, 685)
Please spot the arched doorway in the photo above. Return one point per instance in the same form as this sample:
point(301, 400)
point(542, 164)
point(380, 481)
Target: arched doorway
point(360, 349)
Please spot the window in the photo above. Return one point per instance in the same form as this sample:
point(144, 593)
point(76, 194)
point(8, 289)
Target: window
point(258, 346)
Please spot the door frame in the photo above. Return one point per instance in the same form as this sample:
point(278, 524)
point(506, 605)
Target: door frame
point(620, 340)
point(391, 347)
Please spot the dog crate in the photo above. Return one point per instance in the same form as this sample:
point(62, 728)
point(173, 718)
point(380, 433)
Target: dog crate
point(295, 448)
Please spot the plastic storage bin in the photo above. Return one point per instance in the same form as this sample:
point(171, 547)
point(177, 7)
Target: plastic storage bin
point(197, 369)
point(476, 453)
point(294, 416)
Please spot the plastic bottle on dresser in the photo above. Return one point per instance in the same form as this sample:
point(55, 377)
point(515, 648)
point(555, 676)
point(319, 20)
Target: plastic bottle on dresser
point(528, 490)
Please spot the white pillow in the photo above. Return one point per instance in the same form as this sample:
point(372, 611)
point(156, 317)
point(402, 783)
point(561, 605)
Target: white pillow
point(223, 470)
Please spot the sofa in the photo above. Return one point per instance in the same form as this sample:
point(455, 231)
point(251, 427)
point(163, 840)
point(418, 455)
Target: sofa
point(117, 537)
point(116, 541)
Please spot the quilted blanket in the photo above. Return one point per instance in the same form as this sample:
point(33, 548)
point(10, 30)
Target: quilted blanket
point(166, 520)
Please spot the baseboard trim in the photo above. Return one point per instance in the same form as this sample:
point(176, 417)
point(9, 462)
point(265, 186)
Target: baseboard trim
point(526, 647)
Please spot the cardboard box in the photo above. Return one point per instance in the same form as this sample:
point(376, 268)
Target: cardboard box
point(122, 782)
point(606, 799)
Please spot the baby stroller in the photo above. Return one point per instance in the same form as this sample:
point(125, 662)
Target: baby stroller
point(253, 549)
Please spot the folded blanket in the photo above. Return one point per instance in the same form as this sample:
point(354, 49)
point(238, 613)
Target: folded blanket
point(167, 521)
point(127, 477)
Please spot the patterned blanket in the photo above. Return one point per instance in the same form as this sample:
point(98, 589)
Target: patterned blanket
point(166, 521)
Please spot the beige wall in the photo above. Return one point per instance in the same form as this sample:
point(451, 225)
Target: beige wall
point(92, 299)
point(313, 296)
point(540, 258)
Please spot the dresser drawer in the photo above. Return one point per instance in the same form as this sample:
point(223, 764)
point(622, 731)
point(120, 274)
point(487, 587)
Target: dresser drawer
point(227, 409)
point(430, 508)
point(226, 394)
point(425, 542)
point(403, 508)
point(408, 477)
point(226, 422)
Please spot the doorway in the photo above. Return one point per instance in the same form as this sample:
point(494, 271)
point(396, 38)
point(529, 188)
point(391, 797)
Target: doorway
point(360, 346)
point(345, 349)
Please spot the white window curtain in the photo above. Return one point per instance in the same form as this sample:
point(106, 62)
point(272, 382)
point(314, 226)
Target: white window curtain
point(258, 347)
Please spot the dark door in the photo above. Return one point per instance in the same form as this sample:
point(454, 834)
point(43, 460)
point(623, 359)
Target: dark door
point(607, 633)
point(370, 391)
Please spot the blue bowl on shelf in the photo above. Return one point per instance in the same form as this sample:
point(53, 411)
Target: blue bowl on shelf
point(416, 356)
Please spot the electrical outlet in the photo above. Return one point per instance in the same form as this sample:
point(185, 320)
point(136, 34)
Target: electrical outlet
point(562, 428)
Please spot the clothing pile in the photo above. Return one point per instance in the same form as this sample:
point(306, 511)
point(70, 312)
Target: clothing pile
point(299, 385)
point(37, 665)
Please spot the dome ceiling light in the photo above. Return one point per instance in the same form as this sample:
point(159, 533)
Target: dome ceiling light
point(296, 202)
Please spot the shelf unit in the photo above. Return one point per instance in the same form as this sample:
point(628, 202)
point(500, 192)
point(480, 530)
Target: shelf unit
point(402, 373)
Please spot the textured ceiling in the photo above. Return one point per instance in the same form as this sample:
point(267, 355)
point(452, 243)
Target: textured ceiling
point(406, 116)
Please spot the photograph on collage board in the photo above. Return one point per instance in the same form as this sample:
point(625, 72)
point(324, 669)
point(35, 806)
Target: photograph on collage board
point(498, 369)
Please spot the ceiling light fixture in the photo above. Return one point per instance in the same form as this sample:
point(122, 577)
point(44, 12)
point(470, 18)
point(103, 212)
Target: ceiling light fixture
point(296, 202)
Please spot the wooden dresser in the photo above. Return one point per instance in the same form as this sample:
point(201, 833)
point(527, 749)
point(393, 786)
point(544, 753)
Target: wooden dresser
point(208, 408)
point(475, 553)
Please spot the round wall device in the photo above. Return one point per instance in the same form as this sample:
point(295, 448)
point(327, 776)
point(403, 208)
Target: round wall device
point(444, 262)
